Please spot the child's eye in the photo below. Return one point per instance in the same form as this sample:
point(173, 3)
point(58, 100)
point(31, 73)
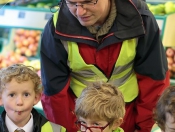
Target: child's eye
point(11, 95)
point(26, 94)
point(82, 122)
point(95, 124)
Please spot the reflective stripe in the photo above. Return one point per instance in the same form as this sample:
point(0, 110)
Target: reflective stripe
point(120, 69)
point(122, 76)
point(50, 127)
point(120, 81)
point(55, 127)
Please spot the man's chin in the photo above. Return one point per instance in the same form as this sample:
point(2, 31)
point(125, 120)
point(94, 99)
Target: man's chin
point(86, 24)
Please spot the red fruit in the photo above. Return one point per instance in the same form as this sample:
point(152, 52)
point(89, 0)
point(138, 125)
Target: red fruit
point(170, 60)
point(173, 67)
point(170, 52)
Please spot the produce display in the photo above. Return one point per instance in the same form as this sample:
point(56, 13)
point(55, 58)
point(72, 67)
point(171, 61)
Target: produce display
point(170, 53)
point(23, 47)
point(27, 42)
point(13, 58)
point(162, 8)
point(36, 3)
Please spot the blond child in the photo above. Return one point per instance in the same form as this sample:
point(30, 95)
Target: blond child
point(100, 108)
point(20, 90)
point(164, 113)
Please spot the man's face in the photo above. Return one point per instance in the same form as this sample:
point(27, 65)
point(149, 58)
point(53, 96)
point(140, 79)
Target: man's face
point(170, 123)
point(89, 12)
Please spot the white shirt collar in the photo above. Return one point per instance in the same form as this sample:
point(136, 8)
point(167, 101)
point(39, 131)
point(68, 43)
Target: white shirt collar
point(12, 127)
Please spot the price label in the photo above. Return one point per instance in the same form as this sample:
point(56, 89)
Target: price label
point(21, 14)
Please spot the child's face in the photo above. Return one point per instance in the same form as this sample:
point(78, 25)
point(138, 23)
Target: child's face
point(170, 123)
point(95, 125)
point(18, 100)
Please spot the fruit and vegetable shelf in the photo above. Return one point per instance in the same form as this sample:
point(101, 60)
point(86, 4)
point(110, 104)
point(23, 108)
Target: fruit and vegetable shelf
point(20, 35)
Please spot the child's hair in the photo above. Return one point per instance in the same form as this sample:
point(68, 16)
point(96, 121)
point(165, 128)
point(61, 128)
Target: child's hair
point(100, 101)
point(20, 73)
point(165, 104)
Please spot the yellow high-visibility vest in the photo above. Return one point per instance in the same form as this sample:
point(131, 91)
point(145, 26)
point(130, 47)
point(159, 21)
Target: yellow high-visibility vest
point(123, 75)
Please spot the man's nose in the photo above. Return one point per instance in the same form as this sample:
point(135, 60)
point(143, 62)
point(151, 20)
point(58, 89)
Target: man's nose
point(80, 10)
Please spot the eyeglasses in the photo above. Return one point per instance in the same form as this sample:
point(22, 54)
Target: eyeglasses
point(84, 128)
point(85, 4)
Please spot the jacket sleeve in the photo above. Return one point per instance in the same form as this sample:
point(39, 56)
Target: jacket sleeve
point(57, 98)
point(152, 72)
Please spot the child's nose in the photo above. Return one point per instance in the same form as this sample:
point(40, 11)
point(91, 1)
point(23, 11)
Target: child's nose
point(19, 100)
point(88, 130)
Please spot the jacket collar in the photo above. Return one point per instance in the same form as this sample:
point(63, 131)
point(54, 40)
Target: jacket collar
point(39, 121)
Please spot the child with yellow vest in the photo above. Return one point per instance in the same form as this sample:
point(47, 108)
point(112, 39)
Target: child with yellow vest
point(100, 108)
point(20, 90)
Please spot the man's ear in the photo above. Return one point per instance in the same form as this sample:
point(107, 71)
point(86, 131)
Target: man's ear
point(117, 123)
point(37, 98)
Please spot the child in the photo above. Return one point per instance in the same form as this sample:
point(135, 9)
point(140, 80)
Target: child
point(164, 113)
point(19, 90)
point(100, 108)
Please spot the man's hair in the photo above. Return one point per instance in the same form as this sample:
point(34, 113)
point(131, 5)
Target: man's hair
point(165, 104)
point(100, 101)
point(20, 73)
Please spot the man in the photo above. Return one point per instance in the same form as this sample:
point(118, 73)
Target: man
point(116, 41)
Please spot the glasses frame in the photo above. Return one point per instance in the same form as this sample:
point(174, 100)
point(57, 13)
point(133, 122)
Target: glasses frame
point(76, 5)
point(89, 128)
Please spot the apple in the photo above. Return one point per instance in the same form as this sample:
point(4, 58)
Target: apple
point(170, 52)
point(18, 44)
point(25, 42)
point(40, 5)
point(32, 47)
point(31, 6)
point(26, 33)
point(170, 60)
point(170, 67)
point(31, 40)
point(28, 53)
point(37, 38)
point(173, 67)
point(20, 31)
point(169, 7)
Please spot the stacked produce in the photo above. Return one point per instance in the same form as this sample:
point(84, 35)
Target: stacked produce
point(162, 9)
point(170, 53)
point(12, 57)
point(23, 49)
point(27, 42)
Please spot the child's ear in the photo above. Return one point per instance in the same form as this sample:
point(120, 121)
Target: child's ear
point(117, 123)
point(37, 98)
point(1, 102)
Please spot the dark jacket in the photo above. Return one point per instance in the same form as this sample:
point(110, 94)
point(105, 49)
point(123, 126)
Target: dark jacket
point(39, 121)
point(133, 20)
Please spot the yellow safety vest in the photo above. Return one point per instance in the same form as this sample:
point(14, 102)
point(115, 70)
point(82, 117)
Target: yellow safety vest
point(123, 75)
point(52, 127)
